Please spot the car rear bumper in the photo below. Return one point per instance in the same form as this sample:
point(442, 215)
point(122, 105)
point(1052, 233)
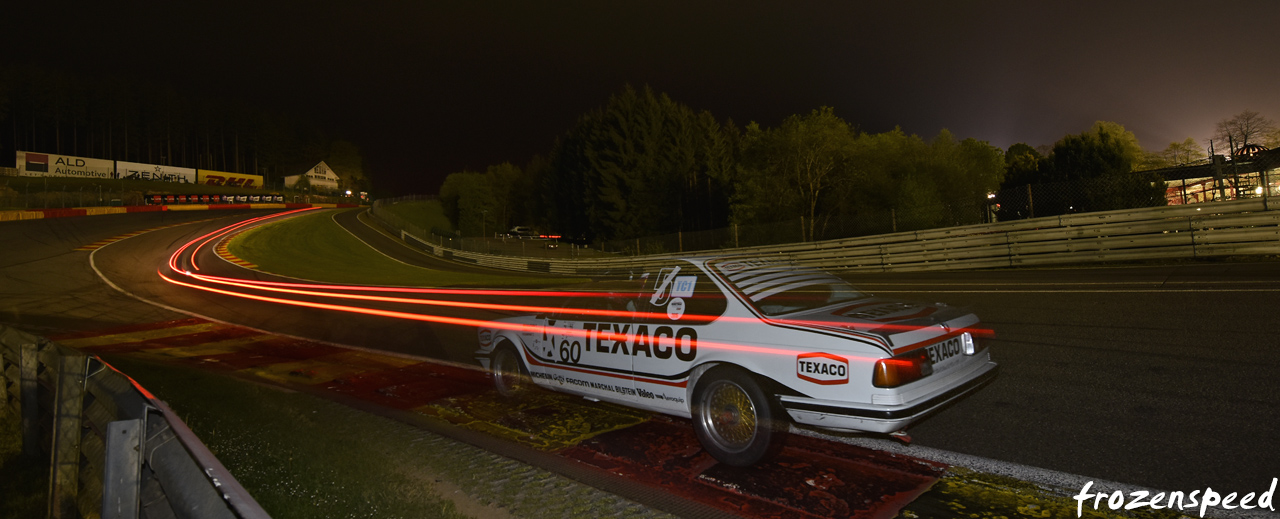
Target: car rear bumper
point(880, 419)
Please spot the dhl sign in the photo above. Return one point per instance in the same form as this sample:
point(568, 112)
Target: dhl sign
point(223, 178)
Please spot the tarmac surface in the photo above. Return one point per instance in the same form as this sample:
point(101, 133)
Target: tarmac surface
point(1156, 376)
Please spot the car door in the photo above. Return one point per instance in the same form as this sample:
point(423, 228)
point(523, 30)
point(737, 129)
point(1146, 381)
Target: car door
point(587, 347)
point(678, 305)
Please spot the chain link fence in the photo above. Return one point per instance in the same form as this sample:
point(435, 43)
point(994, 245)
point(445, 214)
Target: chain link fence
point(828, 227)
point(1228, 187)
point(395, 220)
point(498, 243)
point(1030, 201)
point(30, 194)
point(1079, 196)
point(1205, 183)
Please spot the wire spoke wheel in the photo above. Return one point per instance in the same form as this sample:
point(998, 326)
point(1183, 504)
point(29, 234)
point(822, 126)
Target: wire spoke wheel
point(729, 416)
point(733, 418)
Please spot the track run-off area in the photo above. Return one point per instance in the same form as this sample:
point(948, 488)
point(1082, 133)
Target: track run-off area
point(1153, 376)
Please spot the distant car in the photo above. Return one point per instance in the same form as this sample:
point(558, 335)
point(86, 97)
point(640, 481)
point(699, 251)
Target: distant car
point(521, 232)
point(742, 345)
point(551, 245)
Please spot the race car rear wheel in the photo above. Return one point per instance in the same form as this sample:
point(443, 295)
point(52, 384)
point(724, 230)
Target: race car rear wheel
point(510, 377)
point(735, 421)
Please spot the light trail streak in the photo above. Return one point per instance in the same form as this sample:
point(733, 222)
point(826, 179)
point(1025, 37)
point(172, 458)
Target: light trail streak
point(457, 304)
point(227, 230)
point(462, 321)
point(323, 291)
point(413, 290)
point(173, 259)
point(576, 312)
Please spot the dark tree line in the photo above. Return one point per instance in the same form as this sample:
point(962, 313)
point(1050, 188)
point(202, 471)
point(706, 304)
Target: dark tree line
point(126, 119)
point(640, 164)
point(643, 165)
point(1101, 169)
point(822, 169)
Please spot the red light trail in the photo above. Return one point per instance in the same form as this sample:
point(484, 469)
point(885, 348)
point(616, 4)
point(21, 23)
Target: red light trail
point(345, 292)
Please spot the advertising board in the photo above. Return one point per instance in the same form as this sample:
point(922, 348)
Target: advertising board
point(31, 164)
point(154, 172)
point(223, 178)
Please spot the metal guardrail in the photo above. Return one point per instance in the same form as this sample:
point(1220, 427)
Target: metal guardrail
point(1242, 227)
point(114, 450)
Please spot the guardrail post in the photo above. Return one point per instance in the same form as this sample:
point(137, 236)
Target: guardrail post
point(68, 413)
point(122, 471)
point(30, 404)
point(1191, 227)
point(1031, 205)
point(1266, 189)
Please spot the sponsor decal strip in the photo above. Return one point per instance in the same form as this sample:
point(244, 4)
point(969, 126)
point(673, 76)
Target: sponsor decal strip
point(822, 368)
point(976, 332)
point(582, 369)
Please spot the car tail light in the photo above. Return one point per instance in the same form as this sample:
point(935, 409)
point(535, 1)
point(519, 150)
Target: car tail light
point(902, 369)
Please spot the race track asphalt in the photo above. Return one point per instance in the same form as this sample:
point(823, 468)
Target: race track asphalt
point(1155, 375)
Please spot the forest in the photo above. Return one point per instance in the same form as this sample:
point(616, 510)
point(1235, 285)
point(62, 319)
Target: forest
point(148, 121)
point(644, 165)
point(641, 164)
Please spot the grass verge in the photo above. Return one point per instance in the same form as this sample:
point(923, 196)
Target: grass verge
point(976, 495)
point(314, 247)
point(428, 214)
point(298, 455)
point(302, 456)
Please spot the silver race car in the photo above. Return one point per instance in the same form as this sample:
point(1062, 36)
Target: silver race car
point(739, 345)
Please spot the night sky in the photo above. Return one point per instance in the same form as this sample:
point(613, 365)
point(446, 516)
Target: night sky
point(426, 88)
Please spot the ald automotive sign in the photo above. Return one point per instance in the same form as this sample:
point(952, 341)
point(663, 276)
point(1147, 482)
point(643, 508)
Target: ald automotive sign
point(49, 165)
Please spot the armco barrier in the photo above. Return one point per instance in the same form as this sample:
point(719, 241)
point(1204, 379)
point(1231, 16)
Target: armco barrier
point(1243, 227)
point(114, 450)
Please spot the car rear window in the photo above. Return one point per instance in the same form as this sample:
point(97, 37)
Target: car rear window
point(776, 289)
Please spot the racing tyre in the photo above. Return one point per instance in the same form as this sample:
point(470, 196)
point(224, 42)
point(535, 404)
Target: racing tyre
point(736, 422)
point(510, 377)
